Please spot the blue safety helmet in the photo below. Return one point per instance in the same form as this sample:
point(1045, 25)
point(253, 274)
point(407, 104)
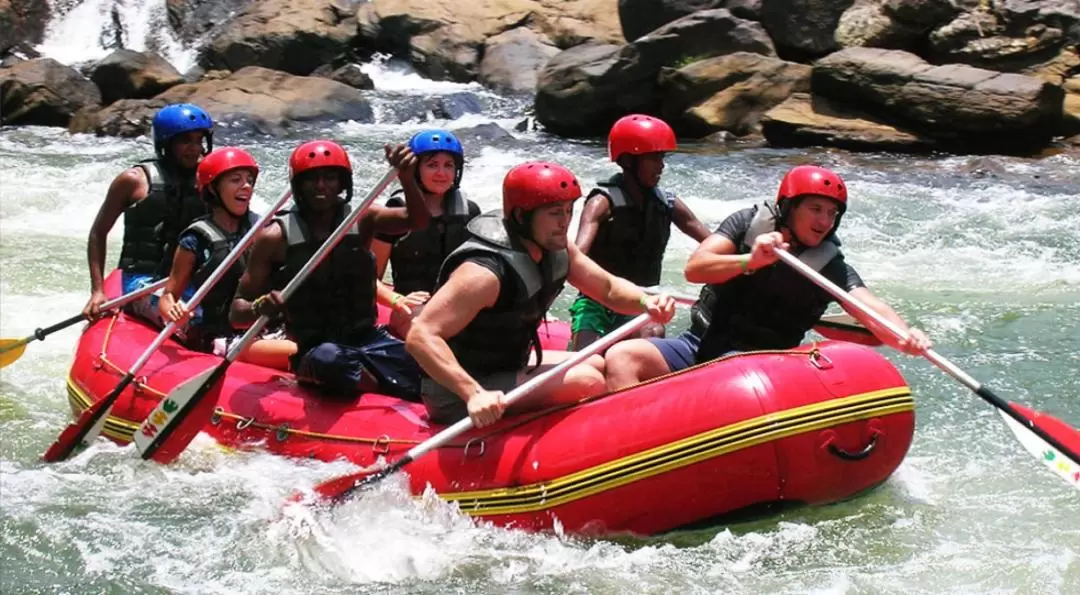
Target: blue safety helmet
point(434, 141)
point(179, 118)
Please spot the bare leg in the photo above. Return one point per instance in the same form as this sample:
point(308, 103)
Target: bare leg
point(650, 330)
point(269, 353)
point(631, 362)
point(583, 380)
point(582, 339)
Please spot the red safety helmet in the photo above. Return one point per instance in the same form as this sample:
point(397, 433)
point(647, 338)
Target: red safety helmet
point(221, 161)
point(638, 134)
point(811, 179)
point(318, 154)
point(538, 183)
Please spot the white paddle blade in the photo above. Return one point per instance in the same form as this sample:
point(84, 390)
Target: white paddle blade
point(1063, 466)
point(166, 410)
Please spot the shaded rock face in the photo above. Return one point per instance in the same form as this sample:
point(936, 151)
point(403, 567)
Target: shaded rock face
point(294, 36)
point(513, 59)
point(253, 98)
point(641, 17)
point(22, 22)
point(803, 29)
point(191, 19)
point(43, 92)
point(583, 90)
point(447, 40)
point(728, 93)
point(126, 74)
point(417, 108)
point(804, 120)
point(970, 108)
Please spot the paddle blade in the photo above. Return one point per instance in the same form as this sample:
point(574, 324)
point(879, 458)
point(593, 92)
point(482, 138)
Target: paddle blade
point(87, 427)
point(1065, 464)
point(11, 350)
point(844, 327)
point(179, 417)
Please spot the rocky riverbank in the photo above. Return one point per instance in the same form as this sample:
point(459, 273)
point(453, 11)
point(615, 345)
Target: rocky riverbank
point(971, 76)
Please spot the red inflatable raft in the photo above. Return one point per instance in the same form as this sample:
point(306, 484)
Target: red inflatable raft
point(812, 425)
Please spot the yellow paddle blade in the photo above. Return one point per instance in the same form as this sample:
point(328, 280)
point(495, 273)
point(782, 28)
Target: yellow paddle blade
point(11, 350)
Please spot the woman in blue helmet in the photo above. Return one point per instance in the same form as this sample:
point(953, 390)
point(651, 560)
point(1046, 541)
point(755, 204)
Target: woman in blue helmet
point(158, 200)
point(415, 257)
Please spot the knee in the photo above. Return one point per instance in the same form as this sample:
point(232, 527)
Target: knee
point(631, 362)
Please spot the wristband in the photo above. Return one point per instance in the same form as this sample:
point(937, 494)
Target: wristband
point(642, 301)
point(397, 298)
point(744, 265)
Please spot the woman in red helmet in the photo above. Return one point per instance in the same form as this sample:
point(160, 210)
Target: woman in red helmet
point(225, 181)
point(331, 316)
point(757, 304)
point(626, 223)
point(474, 337)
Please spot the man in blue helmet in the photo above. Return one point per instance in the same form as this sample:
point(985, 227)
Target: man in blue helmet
point(158, 200)
point(416, 256)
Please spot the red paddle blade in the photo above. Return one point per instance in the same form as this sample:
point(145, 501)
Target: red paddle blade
point(179, 417)
point(84, 429)
point(333, 489)
point(1064, 464)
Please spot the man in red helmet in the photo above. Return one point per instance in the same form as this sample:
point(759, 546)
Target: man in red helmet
point(756, 303)
point(475, 335)
point(332, 314)
point(626, 223)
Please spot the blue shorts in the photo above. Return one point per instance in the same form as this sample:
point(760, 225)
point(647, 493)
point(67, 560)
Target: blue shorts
point(679, 352)
point(346, 370)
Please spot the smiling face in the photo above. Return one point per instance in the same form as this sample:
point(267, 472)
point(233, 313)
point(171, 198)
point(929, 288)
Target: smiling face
point(813, 219)
point(437, 172)
point(321, 188)
point(550, 225)
point(187, 149)
point(235, 188)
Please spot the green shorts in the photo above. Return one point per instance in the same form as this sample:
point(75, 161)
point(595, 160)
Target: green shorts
point(587, 315)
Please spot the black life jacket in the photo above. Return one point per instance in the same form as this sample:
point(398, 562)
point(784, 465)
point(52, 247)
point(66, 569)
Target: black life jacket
point(772, 308)
point(153, 225)
point(336, 303)
point(417, 256)
point(499, 338)
point(631, 243)
point(216, 304)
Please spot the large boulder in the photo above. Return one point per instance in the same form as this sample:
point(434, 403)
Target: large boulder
point(255, 98)
point(513, 59)
point(446, 40)
point(127, 74)
point(803, 29)
point(295, 36)
point(804, 120)
point(1007, 35)
point(43, 92)
point(191, 19)
point(641, 17)
point(22, 22)
point(585, 91)
point(972, 108)
point(728, 93)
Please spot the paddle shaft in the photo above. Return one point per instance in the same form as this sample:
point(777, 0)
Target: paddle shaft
point(41, 333)
point(86, 427)
point(463, 425)
point(175, 420)
point(938, 360)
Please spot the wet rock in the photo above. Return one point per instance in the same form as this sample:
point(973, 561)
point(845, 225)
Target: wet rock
point(191, 19)
point(43, 92)
point(126, 74)
point(22, 22)
point(804, 120)
point(641, 17)
point(803, 29)
point(513, 59)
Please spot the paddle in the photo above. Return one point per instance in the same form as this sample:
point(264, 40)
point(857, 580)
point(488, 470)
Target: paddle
point(12, 349)
point(1043, 436)
point(338, 488)
point(89, 425)
point(181, 415)
point(839, 327)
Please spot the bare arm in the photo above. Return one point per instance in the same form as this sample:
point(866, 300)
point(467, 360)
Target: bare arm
point(389, 220)
point(714, 261)
point(470, 289)
point(876, 304)
point(687, 222)
point(269, 248)
point(597, 210)
point(126, 189)
point(614, 292)
point(179, 276)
